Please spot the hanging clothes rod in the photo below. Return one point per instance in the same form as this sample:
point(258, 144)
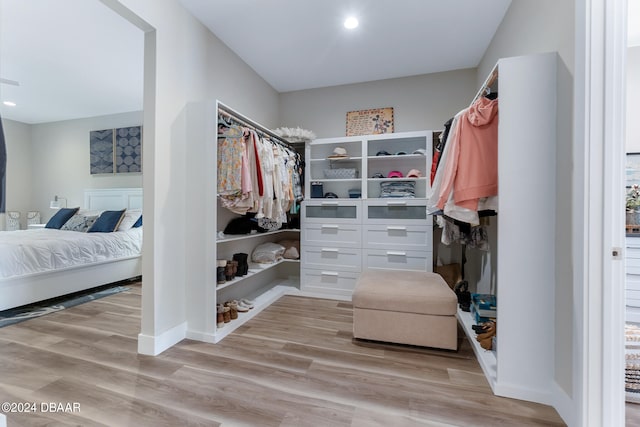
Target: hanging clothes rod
point(243, 120)
point(490, 81)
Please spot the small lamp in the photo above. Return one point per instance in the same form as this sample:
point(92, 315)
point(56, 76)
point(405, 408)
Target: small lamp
point(57, 203)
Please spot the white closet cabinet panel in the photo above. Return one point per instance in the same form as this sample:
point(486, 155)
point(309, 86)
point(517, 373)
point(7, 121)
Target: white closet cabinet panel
point(525, 360)
point(327, 257)
point(526, 281)
point(397, 236)
point(397, 259)
point(340, 235)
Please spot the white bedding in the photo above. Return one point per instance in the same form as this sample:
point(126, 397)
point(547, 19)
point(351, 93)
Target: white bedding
point(34, 251)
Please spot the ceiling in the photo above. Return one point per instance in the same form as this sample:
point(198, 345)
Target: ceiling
point(77, 58)
point(298, 44)
point(71, 58)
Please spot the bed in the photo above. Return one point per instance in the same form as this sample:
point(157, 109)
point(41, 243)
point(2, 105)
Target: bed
point(77, 261)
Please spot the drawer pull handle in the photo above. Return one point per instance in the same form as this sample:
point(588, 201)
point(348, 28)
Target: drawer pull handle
point(329, 273)
point(329, 203)
point(397, 253)
point(396, 203)
point(398, 228)
point(329, 250)
point(330, 226)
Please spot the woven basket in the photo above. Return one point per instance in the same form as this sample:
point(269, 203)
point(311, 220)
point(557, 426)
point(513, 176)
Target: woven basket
point(343, 173)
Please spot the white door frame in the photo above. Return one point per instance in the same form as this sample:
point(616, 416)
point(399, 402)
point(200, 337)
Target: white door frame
point(598, 202)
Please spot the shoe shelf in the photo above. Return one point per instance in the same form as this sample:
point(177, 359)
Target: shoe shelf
point(234, 237)
point(254, 269)
point(260, 302)
point(486, 358)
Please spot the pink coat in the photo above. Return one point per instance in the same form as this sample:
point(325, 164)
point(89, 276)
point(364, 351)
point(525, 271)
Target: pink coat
point(471, 169)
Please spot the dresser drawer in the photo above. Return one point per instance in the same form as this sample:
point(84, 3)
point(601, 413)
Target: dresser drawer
point(416, 237)
point(396, 211)
point(633, 242)
point(632, 282)
point(633, 253)
point(328, 282)
point(397, 259)
point(331, 211)
point(341, 235)
point(632, 298)
point(324, 257)
point(632, 267)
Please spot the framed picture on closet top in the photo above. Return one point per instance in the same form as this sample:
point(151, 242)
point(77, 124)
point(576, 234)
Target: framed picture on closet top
point(370, 122)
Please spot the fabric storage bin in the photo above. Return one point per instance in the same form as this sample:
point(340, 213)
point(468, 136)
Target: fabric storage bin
point(317, 191)
point(342, 173)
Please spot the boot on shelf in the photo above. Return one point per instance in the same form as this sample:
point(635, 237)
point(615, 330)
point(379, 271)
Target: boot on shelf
point(220, 315)
point(234, 264)
point(228, 271)
point(220, 271)
point(243, 264)
point(233, 309)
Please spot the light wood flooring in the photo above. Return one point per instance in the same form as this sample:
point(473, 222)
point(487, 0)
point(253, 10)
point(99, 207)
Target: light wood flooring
point(292, 365)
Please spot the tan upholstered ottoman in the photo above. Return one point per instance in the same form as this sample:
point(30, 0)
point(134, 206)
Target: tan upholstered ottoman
point(406, 307)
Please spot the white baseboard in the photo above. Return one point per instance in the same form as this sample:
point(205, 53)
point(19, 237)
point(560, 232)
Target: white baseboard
point(153, 345)
point(563, 404)
point(200, 336)
point(515, 391)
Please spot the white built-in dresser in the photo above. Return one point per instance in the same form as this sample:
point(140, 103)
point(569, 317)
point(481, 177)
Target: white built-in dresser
point(342, 236)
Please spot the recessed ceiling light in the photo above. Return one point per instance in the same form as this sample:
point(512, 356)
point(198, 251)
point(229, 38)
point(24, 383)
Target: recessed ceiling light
point(9, 103)
point(350, 23)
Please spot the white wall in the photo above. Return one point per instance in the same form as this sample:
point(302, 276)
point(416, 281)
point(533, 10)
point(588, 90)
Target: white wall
point(184, 62)
point(59, 162)
point(419, 102)
point(633, 100)
point(19, 172)
point(532, 27)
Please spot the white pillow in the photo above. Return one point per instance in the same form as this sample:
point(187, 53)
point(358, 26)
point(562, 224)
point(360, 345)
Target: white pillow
point(89, 212)
point(130, 218)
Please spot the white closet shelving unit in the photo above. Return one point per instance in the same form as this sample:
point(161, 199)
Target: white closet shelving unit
point(264, 283)
point(343, 236)
point(523, 366)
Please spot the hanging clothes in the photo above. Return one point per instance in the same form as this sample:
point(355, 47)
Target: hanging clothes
point(439, 148)
point(476, 236)
point(231, 150)
point(257, 174)
point(471, 171)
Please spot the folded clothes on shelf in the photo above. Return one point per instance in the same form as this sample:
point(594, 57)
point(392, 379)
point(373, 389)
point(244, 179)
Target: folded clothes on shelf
point(404, 189)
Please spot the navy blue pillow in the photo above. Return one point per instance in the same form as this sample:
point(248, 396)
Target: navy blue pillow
point(107, 222)
point(138, 223)
point(63, 215)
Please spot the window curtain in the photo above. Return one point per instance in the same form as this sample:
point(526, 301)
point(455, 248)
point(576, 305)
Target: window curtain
point(3, 170)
